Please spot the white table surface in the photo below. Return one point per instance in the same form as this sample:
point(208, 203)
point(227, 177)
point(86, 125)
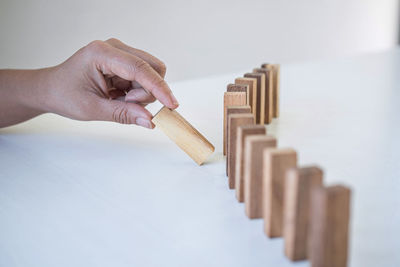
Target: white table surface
point(102, 194)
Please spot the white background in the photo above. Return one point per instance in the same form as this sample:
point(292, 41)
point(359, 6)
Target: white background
point(197, 38)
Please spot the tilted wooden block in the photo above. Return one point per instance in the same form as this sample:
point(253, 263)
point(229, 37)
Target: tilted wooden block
point(276, 84)
point(297, 200)
point(239, 88)
point(254, 146)
point(183, 134)
point(260, 95)
point(234, 121)
point(268, 101)
point(329, 229)
point(231, 99)
point(233, 110)
point(276, 162)
point(243, 132)
point(252, 83)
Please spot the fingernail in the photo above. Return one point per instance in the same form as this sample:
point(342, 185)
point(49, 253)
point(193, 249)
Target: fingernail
point(144, 122)
point(174, 101)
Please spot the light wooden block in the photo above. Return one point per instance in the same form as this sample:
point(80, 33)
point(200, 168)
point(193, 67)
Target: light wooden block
point(243, 132)
point(232, 87)
point(276, 162)
point(233, 110)
point(276, 84)
point(254, 146)
point(231, 99)
point(329, 230)
point(183, 134)
point(297, 201)
point(260, 95)
point(252, 84)
point(234, 121)
point(268, 100)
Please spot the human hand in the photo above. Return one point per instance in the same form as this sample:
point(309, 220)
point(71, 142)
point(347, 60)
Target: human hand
point(107, 81)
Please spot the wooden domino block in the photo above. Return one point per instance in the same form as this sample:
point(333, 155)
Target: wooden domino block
point(260, 112)
point(234, 121)
point(276, 162)
point(233, 110)
point(276, 84)
point(253, 172)
point(183, 134)
point(252, 84)
point(329, 229)
point(239, 88)
point(268, 101)
point(231, 99)
point(243, 132)
point(297, 200)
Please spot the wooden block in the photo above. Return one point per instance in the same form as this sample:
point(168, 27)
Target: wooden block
point(183, 134)
point(231, 99)
point(233, 110)
point(234, 121)
point(276, 162)
point(296, 212)
point(239, 88)
point(252, 83)
point(254, 146)
point(329, 229)
point(276, 84)
point(260, 95)
point(243, 132)
point(268, 101)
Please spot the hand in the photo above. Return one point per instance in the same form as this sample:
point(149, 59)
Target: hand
point(107, 81)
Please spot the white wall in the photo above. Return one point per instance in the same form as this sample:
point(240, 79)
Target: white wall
point(197, 38)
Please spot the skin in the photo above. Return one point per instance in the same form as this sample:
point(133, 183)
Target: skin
point(106, 81)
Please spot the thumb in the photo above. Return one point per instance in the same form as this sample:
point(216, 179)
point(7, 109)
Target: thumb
point(124, 112)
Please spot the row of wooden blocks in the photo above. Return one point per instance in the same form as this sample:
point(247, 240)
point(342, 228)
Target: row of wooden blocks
point(292, 200)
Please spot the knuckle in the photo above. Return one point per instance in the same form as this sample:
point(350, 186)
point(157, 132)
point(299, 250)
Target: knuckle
point(113, 40)
point(140, 66)
point(121, 115)
point(162, 69)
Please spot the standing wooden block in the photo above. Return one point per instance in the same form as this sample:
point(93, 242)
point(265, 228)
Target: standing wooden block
point(260, 95)
point(243, 132)
point(268, 101)
point(276, 162)
point(239, 88)
point(234, 121)
point(233, 110)
point(254, 146)
point(329, 230)
point(252, 84)
point(231, 99)
point(297, 200)
point(183, 134)
point(276, 84)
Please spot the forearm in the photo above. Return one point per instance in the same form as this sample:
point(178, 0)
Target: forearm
point(21, 95)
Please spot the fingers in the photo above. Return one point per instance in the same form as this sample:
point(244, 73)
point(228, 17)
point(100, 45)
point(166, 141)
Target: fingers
point(111, 60)
point(139, 95)
point(154, 62)
point(123, 112)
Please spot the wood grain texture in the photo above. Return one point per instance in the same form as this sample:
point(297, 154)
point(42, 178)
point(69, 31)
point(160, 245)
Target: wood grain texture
point(252, 83)
point(232, 87)
point(276, 162)
point(260, 95)
point(233, 110)
point(297, 200)
point(243, 132)
point(234, 121)
point(329, 230)
point(268, 100)
point(183, 134)
point(231, 99)
point(276, 86)
point(253, 173)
